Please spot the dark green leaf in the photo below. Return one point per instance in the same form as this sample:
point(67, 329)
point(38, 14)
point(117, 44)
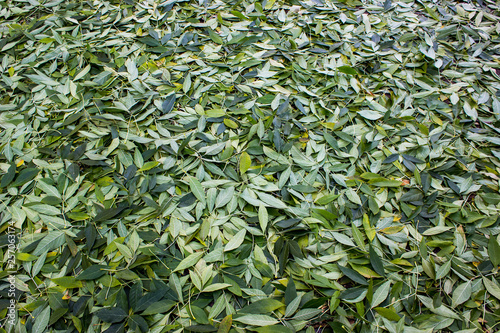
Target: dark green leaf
point(111, 315)
point(494, 250)
point(376, 262)
point(168, 103)
point(93, 272)
point(353, 275)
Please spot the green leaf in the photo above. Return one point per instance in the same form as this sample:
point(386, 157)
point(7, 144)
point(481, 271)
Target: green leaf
point(187, 83)
point(262, 306)
point(197, 189)
point(46, 209)
point(224, 197)
point(236, 241)
point(231, 124)
point(42, 79)
point(370, 115)
point(271, 201)
point(25, 176)
point(68, 282)
point(57, 314)
point(222, 155)
point(381, 294)
point(213, 149)
point(388, 313)
point(429, 269)
point(494, 251)
point(18, 214)
point(124, 250)
point(168, 103)
point(215, 286)
point(343, 239)
point(215, 37)
point(201, 328)
point(353, 196)
point(353, 275)
point(39, 264)
point(306, 314)
point(263, 217)
point(376, 262)
point(25, 257)
point(293, 306)
point(149, 165)
point(443, 270)
point(369, 230)
point(215, 113)
point(159, 307)
point(41, 321)
point(385, 183)
point(257, 320)
point(49, 189)
point(237, 39)
point(107, 214)
point(9, 176)
point(82, 73)
point(326, 199)
point(461, 293)
point(93, 272)
point(78, 216)
point(53, 240)
point(273, 329)
point(111, 315)
point(138, 324)
point(198, 315)
point(290, 292)
point(245, 162)
point(189, 261)
point(435, 230)
point(347, 70)
point(225, 324)
point(218, 307)
point(358, 237)
point(175, 284)
point(492, 287)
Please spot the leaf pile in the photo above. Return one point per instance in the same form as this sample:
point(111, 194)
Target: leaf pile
point(267, 166)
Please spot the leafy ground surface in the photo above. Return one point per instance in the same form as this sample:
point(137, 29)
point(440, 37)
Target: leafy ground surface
point(258, 166)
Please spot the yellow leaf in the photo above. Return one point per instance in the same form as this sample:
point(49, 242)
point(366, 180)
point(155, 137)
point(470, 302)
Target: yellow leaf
point(369, 230)
point(365, 271)
point(392, 230)
point(225, 325)
point(436, 120)
point(402, 262)
point(245, 162)
point(270, 178)
point(199, 109)
point(215, 113)
point(231, 124)
point(25, 257)
point(269, 4)
point(66, 295)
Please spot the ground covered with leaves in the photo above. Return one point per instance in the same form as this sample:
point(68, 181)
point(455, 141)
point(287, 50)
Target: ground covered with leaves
point(269, 166)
